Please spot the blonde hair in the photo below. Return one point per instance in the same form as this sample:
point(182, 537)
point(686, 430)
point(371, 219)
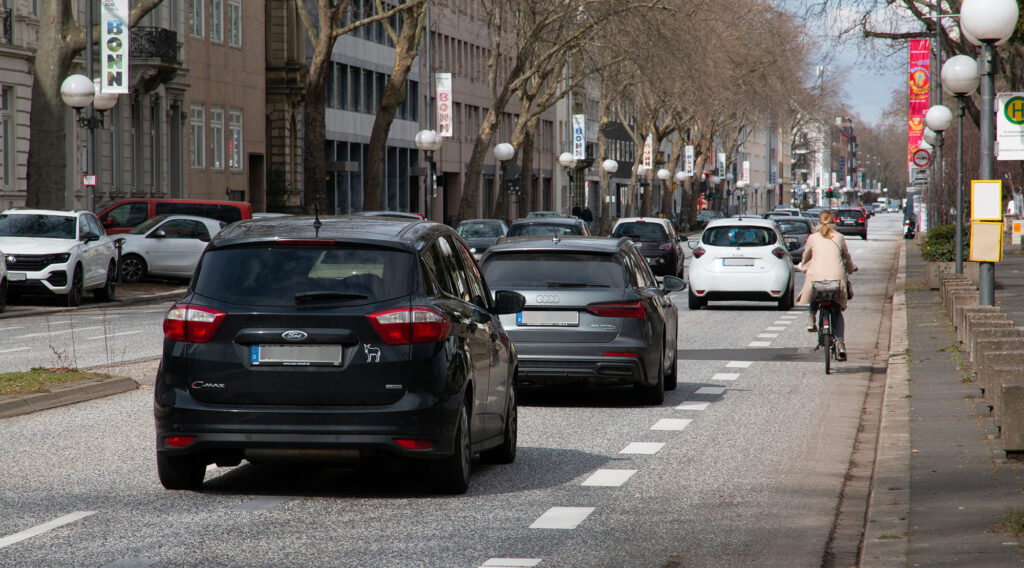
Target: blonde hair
point(826, 219)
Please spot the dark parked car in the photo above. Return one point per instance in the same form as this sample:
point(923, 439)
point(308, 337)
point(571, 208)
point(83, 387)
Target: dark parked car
point(480, 234)
point(658, 241)
point(540, 226)
point(350, 339)
point(795, 230)
point(850, 221)
point(594, 313)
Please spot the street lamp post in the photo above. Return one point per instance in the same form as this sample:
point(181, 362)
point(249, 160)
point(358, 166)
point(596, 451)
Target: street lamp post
point(609, 166)
point(960, 77)
point(568, 162)
point(990, 22)
point(429, 142)
point(641, 173)
point(80, 92)
point(680, 177)
point(664, 174)
point(503, 153)
point(938, 119)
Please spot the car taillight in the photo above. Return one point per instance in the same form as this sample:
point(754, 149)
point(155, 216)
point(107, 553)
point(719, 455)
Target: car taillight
point(415, 444)
point(179, 441)
point(620, 354)
point(403, 326)
point(192, 324)
point(618, 310)
point(861, 220)
point(698, 252)
point(666, 246)
point(779, 252)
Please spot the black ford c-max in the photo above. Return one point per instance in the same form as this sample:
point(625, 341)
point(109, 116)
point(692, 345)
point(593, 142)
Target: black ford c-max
point(342, 338)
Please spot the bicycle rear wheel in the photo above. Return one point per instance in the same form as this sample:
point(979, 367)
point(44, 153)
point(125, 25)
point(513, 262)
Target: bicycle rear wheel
point(828, 353)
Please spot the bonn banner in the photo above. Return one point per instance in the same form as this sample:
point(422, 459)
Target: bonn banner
point(114, 37)
point(920, 82)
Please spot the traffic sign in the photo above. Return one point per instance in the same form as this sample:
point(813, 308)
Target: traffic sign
point(918, 176)
point(921, 158)
point(1010, 126)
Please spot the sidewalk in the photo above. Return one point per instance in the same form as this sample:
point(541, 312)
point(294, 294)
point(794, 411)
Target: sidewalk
point(943, 489)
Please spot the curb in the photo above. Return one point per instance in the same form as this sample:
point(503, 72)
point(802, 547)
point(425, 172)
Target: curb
point(69, 394)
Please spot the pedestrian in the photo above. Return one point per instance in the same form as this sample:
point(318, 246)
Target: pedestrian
point(587, 215)
point(576, 211)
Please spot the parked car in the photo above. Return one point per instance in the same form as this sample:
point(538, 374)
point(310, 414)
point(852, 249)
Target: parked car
point(789, 211)
point(399, 214)
point(480, 234)
point(541, 226)
point(120, 216)
point(594, 313)
point(813, 214)
point(741, 259)
point(62, 253)
point(659, 243)
point(166, 245)
point(704, 216)
point(851, 221)
point(795, 231)
point(3, 282)
point(533, 214)
point(352, 338)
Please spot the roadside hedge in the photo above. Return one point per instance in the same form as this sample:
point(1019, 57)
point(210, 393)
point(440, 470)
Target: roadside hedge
point(939, 244)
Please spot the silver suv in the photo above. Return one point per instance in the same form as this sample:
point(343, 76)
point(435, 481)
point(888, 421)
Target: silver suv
point(57, 252)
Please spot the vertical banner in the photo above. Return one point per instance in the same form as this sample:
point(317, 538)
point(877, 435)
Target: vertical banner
point(721, 165)
point(649, 152)
point(444, 104)
point(920, 82)
point(114, 38)
point(689, 161)
point(579, 136)
point(746, 171)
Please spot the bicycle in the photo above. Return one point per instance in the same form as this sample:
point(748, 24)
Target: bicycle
point(826, 294)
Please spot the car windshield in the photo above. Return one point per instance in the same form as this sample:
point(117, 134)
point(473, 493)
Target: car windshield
point(145, 226)
point(733, 236)
point(541, 229)
point(641, 231)
point(849, 213)
point(479, 230)
point(517, 270)
point(304, 275)
point(793, 227)
point(37, 225)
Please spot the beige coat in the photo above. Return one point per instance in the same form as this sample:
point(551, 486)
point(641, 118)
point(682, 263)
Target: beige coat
point(822, 260)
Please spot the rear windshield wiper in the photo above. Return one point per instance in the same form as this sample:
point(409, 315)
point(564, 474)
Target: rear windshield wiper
point(575, 285)
point(309, 297)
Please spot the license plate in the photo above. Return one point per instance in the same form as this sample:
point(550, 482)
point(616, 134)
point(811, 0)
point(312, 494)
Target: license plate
point(299, 355)
point(792, 240)
point(17, 276)
point(737, 262)
point(549, 318)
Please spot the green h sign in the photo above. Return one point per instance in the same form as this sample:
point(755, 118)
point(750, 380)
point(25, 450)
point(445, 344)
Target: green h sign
point(1013, 110)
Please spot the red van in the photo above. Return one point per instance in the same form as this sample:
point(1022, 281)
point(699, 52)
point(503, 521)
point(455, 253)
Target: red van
point(121, 216)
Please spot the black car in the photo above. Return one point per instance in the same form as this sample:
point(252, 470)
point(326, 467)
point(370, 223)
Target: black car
point(480, 234)
point(659, 244)
point(850, 221)
point(795, 230)
point(348, 339)
point(544, 226)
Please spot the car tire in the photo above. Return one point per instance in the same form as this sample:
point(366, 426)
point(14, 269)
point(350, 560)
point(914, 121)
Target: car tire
point(506, 452)
point(451, 475)
point(672, 373)
point(3, 295)
point(133, 268)
point(106, 293)
point(864, 235)
point(694, 302)
point(180, 472)
point(786, 301)
point(653, 395)
point(74, 295)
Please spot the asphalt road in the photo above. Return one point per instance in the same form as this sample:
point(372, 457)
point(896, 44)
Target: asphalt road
point(742, 466)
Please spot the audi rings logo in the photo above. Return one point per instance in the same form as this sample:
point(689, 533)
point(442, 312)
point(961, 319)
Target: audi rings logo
point(547, 299)
point(294, 335)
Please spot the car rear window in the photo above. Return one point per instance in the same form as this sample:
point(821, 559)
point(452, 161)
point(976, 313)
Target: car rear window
point(641, 231)
point(849, 213)
point(738, 236)
point(513, 270)
point(297, 275)
point(793, 227)
point(479, 230)
point(541, 229)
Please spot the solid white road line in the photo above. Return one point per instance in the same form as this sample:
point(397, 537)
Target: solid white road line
point(739, 364)
point(609, 477)
point(671, 424)
point(511, 563)
point(45, 527)
point(759, 344)
point(725, 377)
point(56, 331)
point(563, 518)
point(648, 448)
point(693, 405)
point(14, 349)
point(116, 334)
point(710, 390)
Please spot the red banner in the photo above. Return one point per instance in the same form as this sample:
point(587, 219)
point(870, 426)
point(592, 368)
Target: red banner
point(920, 83)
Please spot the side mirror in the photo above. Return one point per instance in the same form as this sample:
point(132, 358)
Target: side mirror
point(508, 302)
point(89, 236)
point(157, 234)
point(691, 244)
point(673, 284)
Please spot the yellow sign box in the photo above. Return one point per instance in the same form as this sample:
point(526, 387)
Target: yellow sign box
point(986, 200)
point(986, 242)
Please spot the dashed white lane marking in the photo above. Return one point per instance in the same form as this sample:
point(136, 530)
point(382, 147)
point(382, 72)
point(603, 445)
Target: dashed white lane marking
point(562, 518)
point(14, 349)
point(115, 334)
point(261, 503)
point(782, 322)
point(693, 405)
point(788, 316)
point(767, 335)
point(779, 328)
point(671, 424)
point(710, 390)
point(739, 364)
point(131, 563)
point(609, 477)
point(725, 377)
point(759, 344)
point(511, 563)
point(648, 448)
point(45, 527)
point(56, 331)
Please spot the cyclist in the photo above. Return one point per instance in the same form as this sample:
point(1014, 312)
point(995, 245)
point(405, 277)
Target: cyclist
point(826, 258)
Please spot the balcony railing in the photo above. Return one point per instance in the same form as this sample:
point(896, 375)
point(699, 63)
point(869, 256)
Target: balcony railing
point(6, 28)
point(154, 43)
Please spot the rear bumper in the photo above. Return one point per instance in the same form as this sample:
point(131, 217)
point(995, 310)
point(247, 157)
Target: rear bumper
point(584, 370)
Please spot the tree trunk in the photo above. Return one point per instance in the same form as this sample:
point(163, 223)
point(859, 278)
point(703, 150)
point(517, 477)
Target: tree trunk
point(526, 185)
point(313, 158)
point(471, 185)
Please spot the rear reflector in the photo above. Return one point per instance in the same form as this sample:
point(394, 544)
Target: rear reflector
point(179, 441)
point(403, 326)
point(192, 324)
point(665, 246)
point(620, 354)
point(618, 310)
point(416, 444)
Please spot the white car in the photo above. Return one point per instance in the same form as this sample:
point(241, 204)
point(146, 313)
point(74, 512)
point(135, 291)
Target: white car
point(165, 245)
point(741, 258)
point(3, 282)
point(58, 252)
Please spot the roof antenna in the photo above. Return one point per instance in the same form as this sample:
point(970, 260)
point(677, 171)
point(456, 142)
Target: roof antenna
point(316, 219)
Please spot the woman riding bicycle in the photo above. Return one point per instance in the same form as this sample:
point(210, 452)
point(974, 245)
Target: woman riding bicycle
point(826, 258)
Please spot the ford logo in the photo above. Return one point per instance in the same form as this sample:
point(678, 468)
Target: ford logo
point(294, 335)
point(547, 299)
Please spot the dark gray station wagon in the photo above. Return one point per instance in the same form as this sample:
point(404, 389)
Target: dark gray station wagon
point(348, 339)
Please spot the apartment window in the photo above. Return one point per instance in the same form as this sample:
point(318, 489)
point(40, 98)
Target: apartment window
point(173, 10)
point(217, 21)
point(197, 123)
point(235, 23)
point(235, 139)
point(329, 89)
point(195, 17)
point(6, 134)
point(217, 137)
point(138, 157)
point(343, 93)
point(155, 147)
point(368, 97)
